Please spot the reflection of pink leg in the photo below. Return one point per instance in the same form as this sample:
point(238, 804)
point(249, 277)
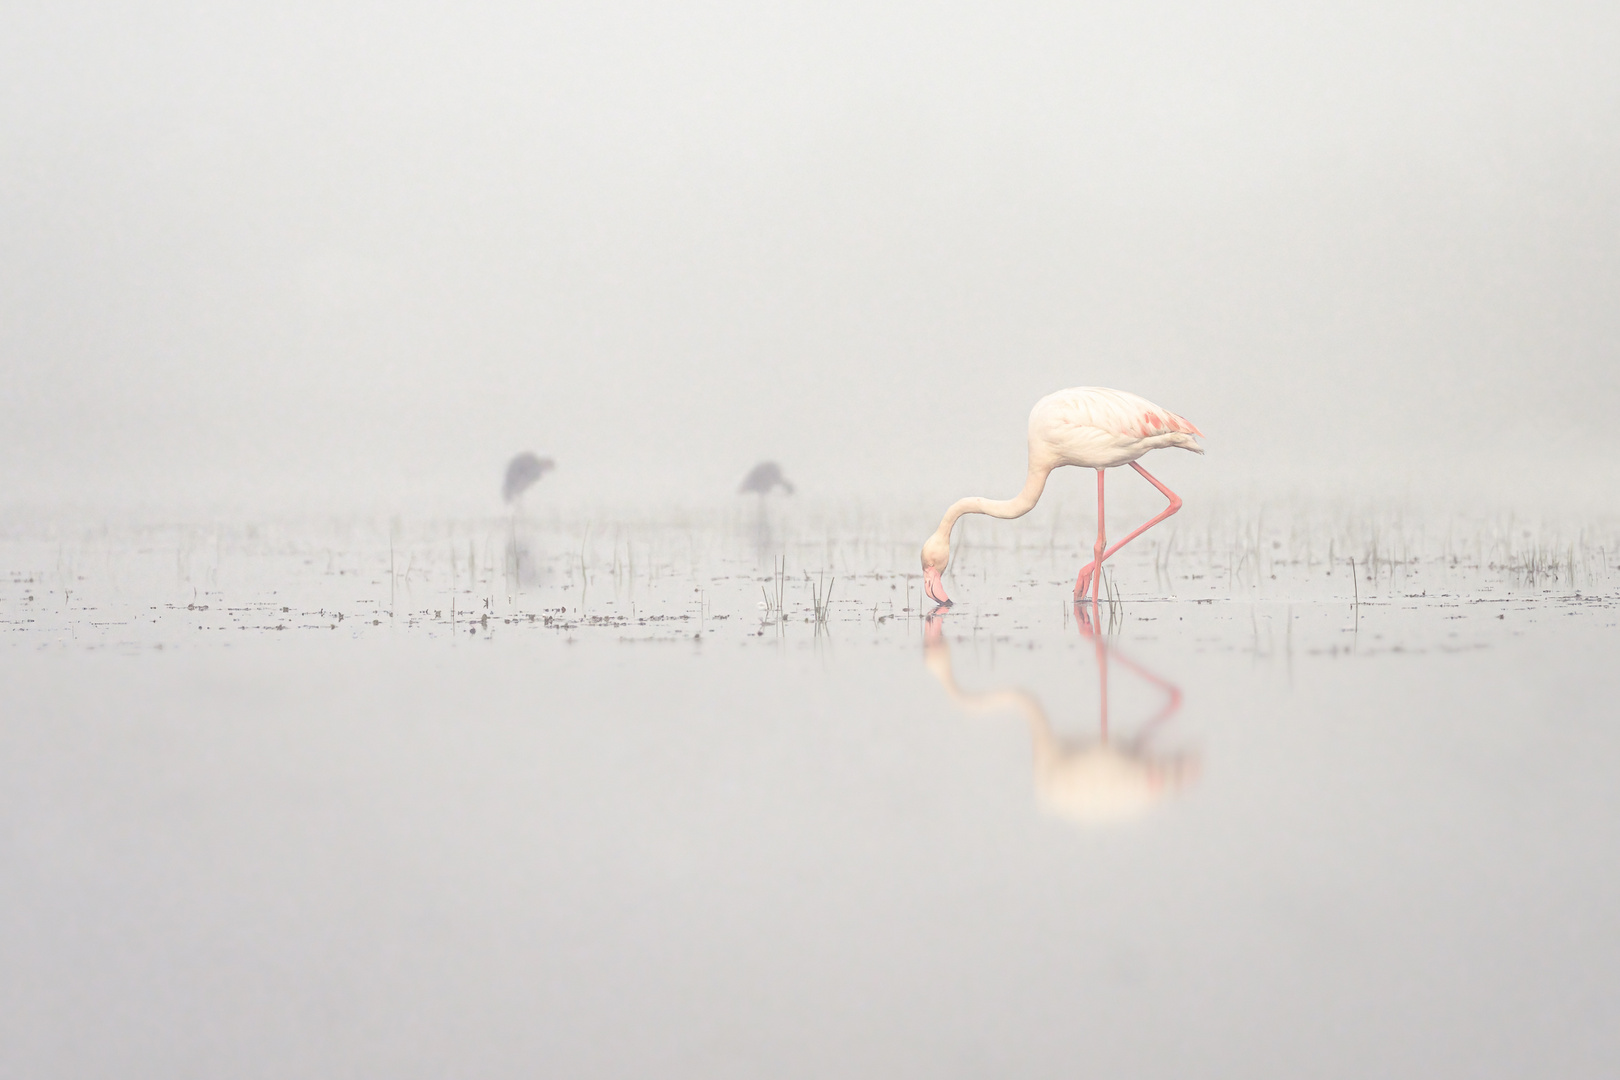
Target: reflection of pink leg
point(1172, 701)
point(1091, 568)
point(1082, 622)
point(1172, 692)
point(1102, 667)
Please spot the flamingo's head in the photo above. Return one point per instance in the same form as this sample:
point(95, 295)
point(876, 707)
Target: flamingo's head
point(936, 555)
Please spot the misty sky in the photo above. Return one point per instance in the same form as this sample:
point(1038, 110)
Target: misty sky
point(358, 255)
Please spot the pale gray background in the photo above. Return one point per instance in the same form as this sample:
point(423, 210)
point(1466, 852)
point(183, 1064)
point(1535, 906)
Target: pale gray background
point(356, 255)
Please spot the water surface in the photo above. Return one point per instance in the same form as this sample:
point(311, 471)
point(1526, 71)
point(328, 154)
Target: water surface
point(718, 798)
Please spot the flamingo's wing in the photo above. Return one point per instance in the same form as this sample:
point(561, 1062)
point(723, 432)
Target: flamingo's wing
point(1127, 415)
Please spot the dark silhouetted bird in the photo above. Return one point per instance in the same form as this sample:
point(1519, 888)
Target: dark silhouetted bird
point(763, 479)
point(521, 473)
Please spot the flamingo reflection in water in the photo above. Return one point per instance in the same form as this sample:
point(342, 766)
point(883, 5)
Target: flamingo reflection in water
point(1088, 782)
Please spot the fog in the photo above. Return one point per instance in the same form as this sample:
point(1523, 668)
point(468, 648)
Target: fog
point(340, 739)
point(356, 257)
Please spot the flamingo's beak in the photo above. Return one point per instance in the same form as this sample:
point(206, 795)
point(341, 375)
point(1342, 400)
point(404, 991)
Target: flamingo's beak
point(934, 587)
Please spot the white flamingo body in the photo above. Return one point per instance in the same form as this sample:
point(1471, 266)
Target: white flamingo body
point(1096, 428)
point(1088, 426)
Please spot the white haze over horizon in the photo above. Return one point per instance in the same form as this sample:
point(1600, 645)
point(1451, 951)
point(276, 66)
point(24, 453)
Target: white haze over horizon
point(352, 256)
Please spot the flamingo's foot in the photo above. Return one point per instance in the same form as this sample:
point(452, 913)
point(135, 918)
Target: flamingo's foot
point(1083, 582)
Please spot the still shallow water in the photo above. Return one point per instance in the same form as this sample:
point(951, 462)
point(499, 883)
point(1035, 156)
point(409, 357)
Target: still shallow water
point(574, 798)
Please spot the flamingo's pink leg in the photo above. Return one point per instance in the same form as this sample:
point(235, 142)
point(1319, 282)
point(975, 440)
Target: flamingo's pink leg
point(1175, 504)
point(1091, 569)
point(1098, 551)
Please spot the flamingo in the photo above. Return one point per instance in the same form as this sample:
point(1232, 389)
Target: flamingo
point(521, 473)
point(761, 480)
point(1089, 426)
point(764, 478)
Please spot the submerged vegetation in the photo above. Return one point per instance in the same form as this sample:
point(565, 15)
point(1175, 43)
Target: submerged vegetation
point(684, 574)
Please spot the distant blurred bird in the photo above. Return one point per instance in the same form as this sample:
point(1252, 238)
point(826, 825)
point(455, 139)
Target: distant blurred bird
point(763, 479)
point(521, 473)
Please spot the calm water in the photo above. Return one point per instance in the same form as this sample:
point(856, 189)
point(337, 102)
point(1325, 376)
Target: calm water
point(709, 795)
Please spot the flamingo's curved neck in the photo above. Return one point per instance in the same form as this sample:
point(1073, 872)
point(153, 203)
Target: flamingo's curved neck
point(1016, 507)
